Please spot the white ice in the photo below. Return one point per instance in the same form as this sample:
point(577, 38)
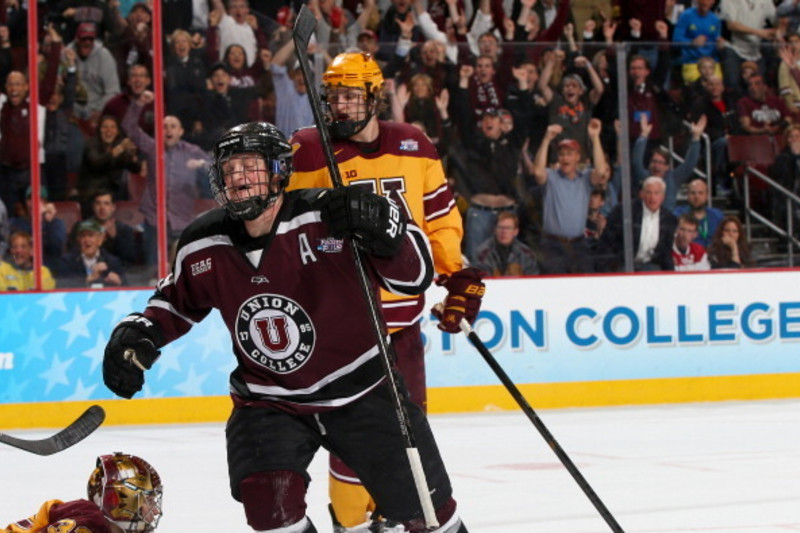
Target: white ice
point(709, 467)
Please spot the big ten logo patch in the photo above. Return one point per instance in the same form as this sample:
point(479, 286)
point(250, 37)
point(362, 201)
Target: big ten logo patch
point(275, 332)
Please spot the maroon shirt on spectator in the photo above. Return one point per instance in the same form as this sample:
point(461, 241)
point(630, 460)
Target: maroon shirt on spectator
point(118, 106)
point(771, 111)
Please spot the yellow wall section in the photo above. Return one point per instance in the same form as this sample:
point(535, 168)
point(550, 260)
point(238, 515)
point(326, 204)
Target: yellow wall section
point(440, 400)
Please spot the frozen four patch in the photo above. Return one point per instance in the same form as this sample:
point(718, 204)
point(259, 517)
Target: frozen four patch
point(409, 145)
point(330, 245)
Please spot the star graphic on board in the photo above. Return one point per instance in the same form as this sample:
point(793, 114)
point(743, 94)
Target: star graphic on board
point(77, 325)
point(14, 392)
point(169, 360)
point(11, 317)
point(34, 347)
point(216, 340)
point(95, 353)
point(123, 305)
point(52, 302)
point(57, 373)
point(193, 384)
point(80, 393)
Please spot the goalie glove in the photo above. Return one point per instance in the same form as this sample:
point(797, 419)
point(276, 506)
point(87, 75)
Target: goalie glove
point(133, 346)
point(464, 293)
point(376, 222)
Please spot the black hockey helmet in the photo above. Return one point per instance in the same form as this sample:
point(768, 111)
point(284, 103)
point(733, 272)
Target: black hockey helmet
point(248, 201)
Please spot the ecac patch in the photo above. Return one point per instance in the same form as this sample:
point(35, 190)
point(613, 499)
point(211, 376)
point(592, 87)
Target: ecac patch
point(275, 332)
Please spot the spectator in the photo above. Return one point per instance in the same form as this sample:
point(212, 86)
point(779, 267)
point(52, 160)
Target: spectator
point(119, 237)
point(236, 25)
point(337, 28)
point(762, 113)
point(76, 12)
point(708, 218)
point(572, 108)
point(185, 78)
point(292, 108)
point(390, 30)
point(422, 105)
point(786, 171)
point(707, 68)
point(567, 189)
point(687, 254)
point(504, 254)
point(595, 219)
point(131, 42)
point(747, 21)
point(729, 248)
point(789, 10)
point(223, 107)
point(659, 164)
point(54, 231)
point(788, 87)
point(647, 97)
point(56, 170)
point(15, 162)
point(653, 232)
point(88, 265)
point(183, 163)
point(700, 30)
point(17, 273)
point(524, 95)
point(97, 72)
point(719, 108)
point(139, 81)
point(486, 164)
point(484, 91)
point(106, 158)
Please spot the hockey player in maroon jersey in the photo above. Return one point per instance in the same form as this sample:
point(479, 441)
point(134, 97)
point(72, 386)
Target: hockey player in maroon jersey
point(396, 160)
point(124, 496)
point(279, 268)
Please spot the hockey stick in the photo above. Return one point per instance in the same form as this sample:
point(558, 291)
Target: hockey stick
point(81, 428)
point(304, 26)
point(539, 425)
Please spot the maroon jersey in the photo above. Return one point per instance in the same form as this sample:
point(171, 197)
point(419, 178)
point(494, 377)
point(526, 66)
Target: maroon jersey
point(292, 302)
point(55, 515)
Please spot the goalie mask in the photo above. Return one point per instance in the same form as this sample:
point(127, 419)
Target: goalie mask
point(352, 90)
point(128, 491)
point(251, 169)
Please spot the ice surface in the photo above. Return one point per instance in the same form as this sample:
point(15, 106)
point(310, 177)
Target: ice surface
point(711, 467)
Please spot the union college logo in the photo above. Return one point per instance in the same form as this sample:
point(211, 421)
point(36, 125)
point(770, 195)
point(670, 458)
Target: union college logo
point(275, 332)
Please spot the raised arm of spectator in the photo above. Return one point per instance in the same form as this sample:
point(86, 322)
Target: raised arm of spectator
point(600, 169)
point(638, 164)
point(462, 110)
point(597, 89)
point(539, 169)
point(790, 59)
point(481, 23)
point(556, 28)
point(685, 169)
point(130, 125)
point(544, 78)
point(53, 60)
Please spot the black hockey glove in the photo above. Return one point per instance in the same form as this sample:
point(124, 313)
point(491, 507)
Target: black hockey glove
point(375, 221)
point(134, 342)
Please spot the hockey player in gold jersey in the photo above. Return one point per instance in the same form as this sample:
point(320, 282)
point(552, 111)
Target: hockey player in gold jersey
point(395, 160)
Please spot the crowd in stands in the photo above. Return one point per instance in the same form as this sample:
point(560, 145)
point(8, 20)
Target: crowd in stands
point(521, 102)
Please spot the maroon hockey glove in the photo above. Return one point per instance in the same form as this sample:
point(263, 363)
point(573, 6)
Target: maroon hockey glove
point(134, 342)
point(464, 293)
point(374, 221)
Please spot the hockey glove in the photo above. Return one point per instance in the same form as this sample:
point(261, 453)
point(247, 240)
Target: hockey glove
point(376, 222)
point(135, 341)
point(464, 292)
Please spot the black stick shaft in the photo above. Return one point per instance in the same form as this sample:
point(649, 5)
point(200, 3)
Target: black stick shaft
point(78, 430)
point(304, 27)
point(539, 425)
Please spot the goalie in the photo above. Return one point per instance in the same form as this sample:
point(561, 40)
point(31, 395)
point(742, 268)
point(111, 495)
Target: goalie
point(398, 161)
point(124, 495)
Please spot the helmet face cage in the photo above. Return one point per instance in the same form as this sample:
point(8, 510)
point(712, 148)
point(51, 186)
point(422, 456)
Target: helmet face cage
point(128, 491)
point(252, 166)
point(352, 90)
